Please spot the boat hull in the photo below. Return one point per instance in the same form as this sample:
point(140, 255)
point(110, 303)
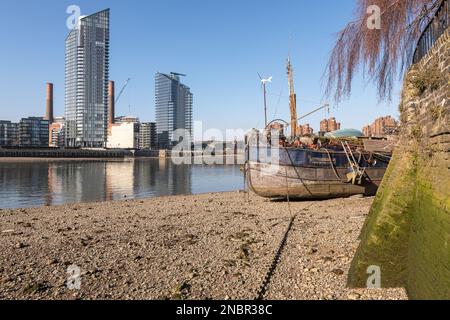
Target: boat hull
point(301, 178)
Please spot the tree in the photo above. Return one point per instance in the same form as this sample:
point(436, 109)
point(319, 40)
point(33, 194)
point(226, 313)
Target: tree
point(381, 40)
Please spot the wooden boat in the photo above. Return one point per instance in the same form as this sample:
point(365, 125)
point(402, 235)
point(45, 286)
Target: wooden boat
point(313, 174)
point(337, 170)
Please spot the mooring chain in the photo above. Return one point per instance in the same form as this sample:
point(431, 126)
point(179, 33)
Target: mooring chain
point(265, 285)
point(276, 260)
point(263, 289)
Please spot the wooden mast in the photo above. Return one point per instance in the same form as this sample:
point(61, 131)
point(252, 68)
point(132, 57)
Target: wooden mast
point(292, 99)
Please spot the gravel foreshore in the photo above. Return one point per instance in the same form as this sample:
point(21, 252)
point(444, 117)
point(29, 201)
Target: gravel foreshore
point(210, 246)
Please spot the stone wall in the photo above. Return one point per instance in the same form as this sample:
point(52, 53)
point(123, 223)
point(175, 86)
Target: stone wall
point(407, 233)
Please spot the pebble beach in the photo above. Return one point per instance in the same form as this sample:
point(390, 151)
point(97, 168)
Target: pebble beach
point(209, 246)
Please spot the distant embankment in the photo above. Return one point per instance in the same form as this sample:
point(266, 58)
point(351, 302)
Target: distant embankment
point(84, 153)
point(62, 153)
point(407, 233)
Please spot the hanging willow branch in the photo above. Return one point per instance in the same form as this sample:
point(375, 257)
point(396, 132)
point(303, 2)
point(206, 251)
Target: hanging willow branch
point(384, 53)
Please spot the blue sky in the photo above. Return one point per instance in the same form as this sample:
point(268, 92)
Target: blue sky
point(220, 45)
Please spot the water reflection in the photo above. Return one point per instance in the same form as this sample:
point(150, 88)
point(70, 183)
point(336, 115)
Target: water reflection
point(27, 184)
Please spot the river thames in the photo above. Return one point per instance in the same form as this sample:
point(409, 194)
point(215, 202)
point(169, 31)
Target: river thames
point(37, 182)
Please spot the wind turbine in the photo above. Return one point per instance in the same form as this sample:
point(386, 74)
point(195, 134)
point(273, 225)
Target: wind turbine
point(264, 82)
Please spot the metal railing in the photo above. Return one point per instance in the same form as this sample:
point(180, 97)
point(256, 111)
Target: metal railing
point(433, 31)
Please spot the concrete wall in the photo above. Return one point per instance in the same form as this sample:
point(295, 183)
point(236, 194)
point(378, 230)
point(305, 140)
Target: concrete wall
point(407, 233)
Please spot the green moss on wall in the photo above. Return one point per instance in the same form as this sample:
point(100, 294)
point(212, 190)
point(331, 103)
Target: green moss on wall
point(428, 78)
point(407, 233)
point(429, 247)
point(385, 235)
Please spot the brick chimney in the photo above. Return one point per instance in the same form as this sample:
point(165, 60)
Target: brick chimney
point(111, 97)
point(49, 103)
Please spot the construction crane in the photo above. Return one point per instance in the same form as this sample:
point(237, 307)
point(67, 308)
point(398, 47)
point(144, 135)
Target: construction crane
point(292, 98)
point(122, 90)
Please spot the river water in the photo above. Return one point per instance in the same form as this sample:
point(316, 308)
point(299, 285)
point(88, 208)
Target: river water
point(45, 183)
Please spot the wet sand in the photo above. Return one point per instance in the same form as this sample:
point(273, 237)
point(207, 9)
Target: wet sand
point(210, 246)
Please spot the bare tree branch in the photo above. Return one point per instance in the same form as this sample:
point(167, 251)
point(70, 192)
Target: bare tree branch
point(383, 54)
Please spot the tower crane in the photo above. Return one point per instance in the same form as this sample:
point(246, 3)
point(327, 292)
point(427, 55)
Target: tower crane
point(122, 90)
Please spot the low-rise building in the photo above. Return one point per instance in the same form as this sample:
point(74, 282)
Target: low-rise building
point(123, 136)
point(57, 133)
point(367, 130)
point(305, 130)
point(126, 119)
point(9, 133)
point(381, 127)
point(148, 137)
point(329, 125)
point(33, 132)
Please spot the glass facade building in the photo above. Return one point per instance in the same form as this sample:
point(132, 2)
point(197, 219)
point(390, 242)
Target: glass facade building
point(174, 102)
point(87, 76)
point(9, 133)
point(33, 132)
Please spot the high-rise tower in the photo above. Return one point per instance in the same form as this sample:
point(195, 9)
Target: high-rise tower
point(87, 76)
point(174, 102)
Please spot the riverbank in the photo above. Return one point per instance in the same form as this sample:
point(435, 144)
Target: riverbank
point(46, 153)
point(36, 160)
point(210, 246)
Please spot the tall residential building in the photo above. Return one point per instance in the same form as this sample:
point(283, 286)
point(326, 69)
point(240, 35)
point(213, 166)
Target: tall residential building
point(148, 138)
point(381, 127)
point(87, 76)
point(174, 102)
point(33, 132)
point(9, 133)
point(329, 125)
